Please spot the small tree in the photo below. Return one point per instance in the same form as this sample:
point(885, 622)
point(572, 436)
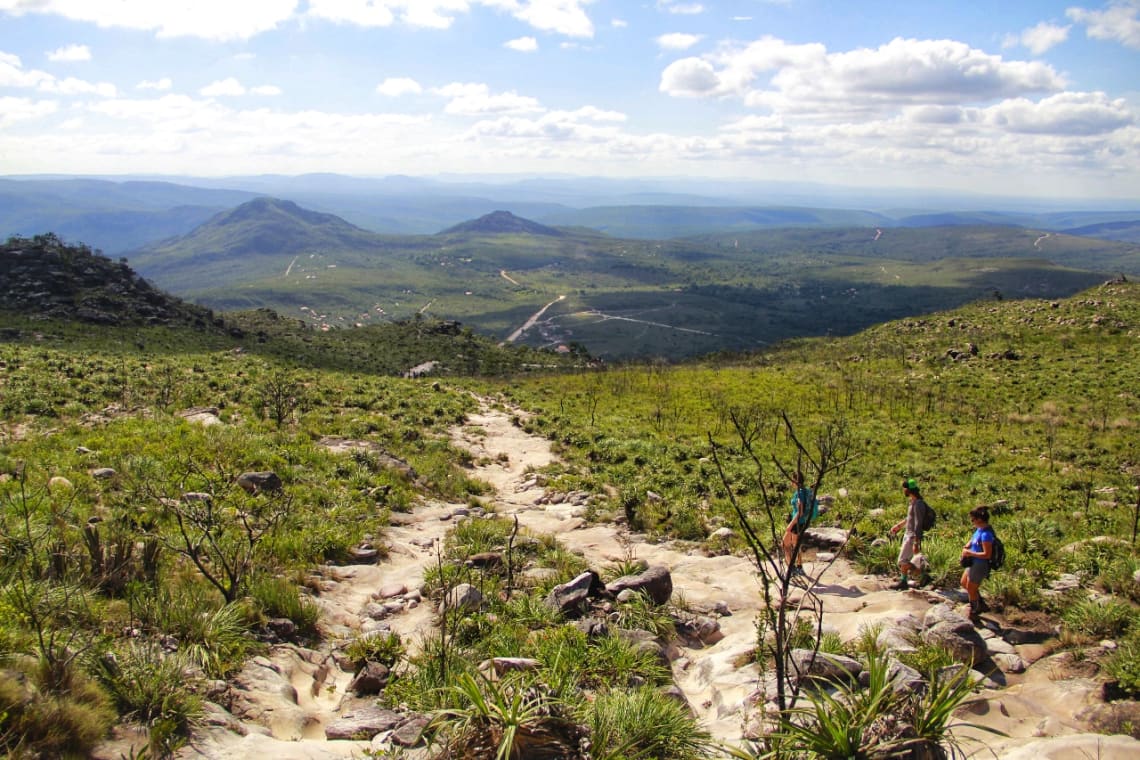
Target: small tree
point(221, 529)
point(280, 395)
point(829, 451)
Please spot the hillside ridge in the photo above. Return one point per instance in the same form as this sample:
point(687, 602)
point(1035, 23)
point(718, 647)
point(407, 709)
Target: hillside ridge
point(502, 222)
point(43, 277)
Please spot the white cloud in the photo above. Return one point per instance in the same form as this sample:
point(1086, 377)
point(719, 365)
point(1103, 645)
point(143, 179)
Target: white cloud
point(189, 134)
point(13, 110)
point(522, 44)
point(228, 87)
point(1040, 38)
point(268, 90)
point(431, 14)
point(619, 23)
point(210, 19)
point(475, 99)
point(1069, 113)
point(677, 41)
point(13, 74)
point(1119, 22)
point(70, 54)
point(73, 86)
point(565, 17)
point(689, 77)
point(356, 12)
point(158, 84)
point(681, 8)
point(770, 73)
point(394, 87)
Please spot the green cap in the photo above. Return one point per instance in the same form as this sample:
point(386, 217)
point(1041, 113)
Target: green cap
point(911, 483)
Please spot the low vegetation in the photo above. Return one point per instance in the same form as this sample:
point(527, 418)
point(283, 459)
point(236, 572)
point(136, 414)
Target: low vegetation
point(130, 550)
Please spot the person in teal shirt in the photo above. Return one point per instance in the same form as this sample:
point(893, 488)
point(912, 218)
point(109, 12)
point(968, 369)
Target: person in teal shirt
point(805, 508)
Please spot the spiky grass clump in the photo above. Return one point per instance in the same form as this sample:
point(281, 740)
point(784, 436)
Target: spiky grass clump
point(644, 722)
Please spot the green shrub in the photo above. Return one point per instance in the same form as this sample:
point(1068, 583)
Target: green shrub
point(928, 658)
point(150, 687)
point(278, 598)
point(39, 722)
point(646, 723)
point(1124, 665)
point(640, 613)
point(385, 648)
point(1099, 619)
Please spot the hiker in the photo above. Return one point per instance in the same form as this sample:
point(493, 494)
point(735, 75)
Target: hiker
point(911, 525)
point(803, 510)
point(976, 558)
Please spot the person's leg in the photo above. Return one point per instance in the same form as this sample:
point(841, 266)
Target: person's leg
point(789, 543)
point(973, 578)
point(906, 552)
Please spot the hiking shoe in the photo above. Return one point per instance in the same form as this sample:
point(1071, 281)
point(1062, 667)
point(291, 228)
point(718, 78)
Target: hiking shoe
point(924, 580)
point(982, 606)
point(899, 585)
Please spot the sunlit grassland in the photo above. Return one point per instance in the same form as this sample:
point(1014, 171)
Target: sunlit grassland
point(1042, 421)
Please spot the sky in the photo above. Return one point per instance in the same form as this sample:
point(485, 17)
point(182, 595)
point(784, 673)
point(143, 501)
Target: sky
point(1027, 98)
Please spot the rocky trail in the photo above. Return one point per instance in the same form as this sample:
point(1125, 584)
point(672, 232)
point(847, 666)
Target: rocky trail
point(295, 703)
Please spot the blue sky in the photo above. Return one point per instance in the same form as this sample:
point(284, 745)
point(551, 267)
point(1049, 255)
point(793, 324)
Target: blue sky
point(1016, 98)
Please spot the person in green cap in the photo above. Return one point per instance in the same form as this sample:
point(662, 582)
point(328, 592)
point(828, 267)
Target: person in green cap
point(911, 526)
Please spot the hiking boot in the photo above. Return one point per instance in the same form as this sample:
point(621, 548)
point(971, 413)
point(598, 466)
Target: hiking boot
point(982, 606)
point(900, 585)
point(923, 580)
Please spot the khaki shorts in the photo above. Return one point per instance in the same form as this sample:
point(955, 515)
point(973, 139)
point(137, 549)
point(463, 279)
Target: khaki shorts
point(906, 552)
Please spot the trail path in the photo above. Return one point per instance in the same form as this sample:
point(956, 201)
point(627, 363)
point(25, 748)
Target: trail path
point(302, 692)
point(530, 322)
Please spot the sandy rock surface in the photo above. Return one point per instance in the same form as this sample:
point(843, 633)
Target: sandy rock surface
point(302, 692)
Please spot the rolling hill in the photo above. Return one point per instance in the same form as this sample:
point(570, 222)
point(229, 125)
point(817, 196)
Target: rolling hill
point(618, 297)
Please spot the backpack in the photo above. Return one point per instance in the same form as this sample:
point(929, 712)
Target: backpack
point(928, 518)
point(997, 554)
point(805, 495)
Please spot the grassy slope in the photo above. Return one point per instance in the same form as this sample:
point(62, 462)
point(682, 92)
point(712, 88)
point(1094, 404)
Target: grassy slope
point(1043, 418)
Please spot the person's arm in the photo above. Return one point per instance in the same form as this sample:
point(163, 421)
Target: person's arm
point(987, 548)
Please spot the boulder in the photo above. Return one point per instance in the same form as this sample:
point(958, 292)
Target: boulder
point(960, 638)
point(463, 597)
point(904, 679)
point(259, 482)
point(371, 679)
point(827, 538)
point(571, 598)
point(825, 666)
point(656, 583)
point(363, 722)
point(485, 560)
point(390, 590)
point(410, 733)
point(702, 630)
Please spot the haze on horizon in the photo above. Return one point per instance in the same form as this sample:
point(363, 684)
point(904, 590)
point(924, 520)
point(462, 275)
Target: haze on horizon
point(1023, 98)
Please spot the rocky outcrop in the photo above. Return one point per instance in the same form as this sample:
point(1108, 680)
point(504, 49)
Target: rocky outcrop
point(43, 276)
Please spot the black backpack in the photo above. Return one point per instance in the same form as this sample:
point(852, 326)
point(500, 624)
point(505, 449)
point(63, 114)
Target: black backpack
point(997, 554)
point(928, 518)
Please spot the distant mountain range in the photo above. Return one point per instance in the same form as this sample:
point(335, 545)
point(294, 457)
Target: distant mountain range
point(116, 215)
point(618, 297)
